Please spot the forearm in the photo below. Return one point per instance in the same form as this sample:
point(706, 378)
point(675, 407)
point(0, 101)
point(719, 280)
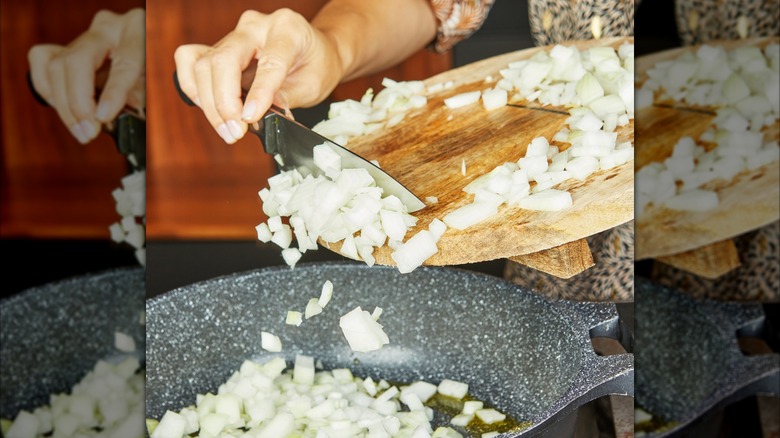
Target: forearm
point(371, 35)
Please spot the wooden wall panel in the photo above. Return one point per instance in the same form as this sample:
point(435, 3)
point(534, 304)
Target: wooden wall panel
point(199, 187)
point(52, 186)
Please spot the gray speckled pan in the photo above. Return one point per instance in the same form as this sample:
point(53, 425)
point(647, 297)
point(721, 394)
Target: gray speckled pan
point(528, 356)
point(53, 334)
point(688, 359)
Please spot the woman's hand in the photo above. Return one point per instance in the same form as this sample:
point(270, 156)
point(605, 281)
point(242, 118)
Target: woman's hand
point(65, 76)
point(296, 65)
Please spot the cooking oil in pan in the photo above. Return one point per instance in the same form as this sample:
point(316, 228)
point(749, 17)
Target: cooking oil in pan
point(452, 407)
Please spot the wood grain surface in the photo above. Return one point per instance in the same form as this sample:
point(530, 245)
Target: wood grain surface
point(747, 202)
point(710, 261)
point(563, 261)
point(425, 152)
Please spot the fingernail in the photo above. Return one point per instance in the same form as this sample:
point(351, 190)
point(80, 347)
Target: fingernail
point(89, 130)
point(197, 101)
point(102, 112)
point(235, 129)
point(249, 111)
point(224, 132)
point(77, 132)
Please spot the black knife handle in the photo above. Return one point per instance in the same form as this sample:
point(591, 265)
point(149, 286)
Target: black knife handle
point(179, 90)
point(34, 92)
point(188, 101)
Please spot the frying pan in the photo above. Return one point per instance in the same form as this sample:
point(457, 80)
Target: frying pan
point(528, 356)
point(53, 334)
point(688, 358)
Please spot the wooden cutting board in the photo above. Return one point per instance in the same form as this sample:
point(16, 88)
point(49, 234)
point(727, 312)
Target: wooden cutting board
point(425, 153)
point(748, 202)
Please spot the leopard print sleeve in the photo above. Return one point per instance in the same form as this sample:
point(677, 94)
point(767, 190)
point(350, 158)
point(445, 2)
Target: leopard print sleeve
point(457, 20)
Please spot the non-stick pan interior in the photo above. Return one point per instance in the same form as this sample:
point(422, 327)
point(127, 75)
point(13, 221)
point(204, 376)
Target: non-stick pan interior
point(514, 348)
point(53, 334)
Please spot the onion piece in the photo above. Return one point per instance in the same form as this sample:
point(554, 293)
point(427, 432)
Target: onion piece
point(494, 99)
point(452, 388)
point(463, 99)
point(693, 200)
point(361, 331)
point(291, 256)
point(326, 294)
point(270, 342)
point(293, 318)
point(124, 342)
point(412, 253)
point(263, 233)
point(470, 214)
point(547, 200)
point(490, 416)
point(312, 308)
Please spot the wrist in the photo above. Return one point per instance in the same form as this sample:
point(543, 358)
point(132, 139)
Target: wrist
point(344, 28)
point(342, 50)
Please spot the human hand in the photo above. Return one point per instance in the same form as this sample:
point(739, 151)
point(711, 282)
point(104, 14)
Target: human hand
point(65, 76)
point(282, 59)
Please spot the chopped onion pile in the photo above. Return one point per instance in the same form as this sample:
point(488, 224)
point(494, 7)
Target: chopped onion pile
point(131, 205)
point(598, 78)
point(351, 118)
point(598, 86)
point(343, 205)
point(744, 84)
point(744, 78)
point(265, 400)
point(107, 402)
point(597, 83)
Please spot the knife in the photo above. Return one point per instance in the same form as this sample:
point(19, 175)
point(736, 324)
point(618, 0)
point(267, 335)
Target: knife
point(295, 143)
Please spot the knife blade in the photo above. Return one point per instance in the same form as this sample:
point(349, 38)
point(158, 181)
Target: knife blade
point(295, 144)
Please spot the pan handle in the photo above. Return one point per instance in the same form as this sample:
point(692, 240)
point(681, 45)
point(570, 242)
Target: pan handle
point(602, 320)
point(600, 376)
point(605, 375)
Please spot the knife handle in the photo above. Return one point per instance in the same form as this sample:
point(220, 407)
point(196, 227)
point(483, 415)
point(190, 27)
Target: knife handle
point(273, 109)
point(182, 96)
point(38, 97)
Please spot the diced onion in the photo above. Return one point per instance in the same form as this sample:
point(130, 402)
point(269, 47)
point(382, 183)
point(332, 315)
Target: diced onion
point(490, 416)
point(494, 99)
point(270, 342)
point(460, 100)
point(452, 388)
point(326, 294)
point(547, 200)
point(312, 308)
point(362, 332)
point(124, 342)
point(294, 318)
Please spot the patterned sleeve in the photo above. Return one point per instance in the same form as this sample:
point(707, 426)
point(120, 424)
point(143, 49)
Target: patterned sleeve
point(457, 20)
